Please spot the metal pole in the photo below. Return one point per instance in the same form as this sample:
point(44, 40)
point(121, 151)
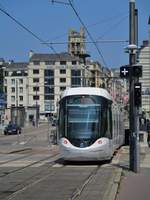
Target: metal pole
point(17, 101)
point(133, 121)
point(149, 59)
point(36, 118)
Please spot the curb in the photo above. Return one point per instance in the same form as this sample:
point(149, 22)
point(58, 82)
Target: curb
point(113, 186)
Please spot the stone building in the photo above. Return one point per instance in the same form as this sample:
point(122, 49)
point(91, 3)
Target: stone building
point(144, 60)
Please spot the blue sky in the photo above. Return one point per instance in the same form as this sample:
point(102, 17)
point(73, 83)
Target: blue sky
point(106, 20)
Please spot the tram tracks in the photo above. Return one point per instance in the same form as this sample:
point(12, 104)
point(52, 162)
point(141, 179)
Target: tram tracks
point(39, 162)
point(73, 180)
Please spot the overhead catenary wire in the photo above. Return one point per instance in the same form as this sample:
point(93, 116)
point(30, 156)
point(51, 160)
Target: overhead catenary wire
point(29, 31)
point(89, 34)
point(113, 27)
point(97, 41)
point(92, 25)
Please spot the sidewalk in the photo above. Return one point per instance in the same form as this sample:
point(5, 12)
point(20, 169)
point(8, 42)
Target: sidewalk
point(134, 186)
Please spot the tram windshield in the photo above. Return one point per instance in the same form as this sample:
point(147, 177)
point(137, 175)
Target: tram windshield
point(83, 119)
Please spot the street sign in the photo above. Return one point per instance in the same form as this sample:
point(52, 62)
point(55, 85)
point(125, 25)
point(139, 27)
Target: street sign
point(124, 71)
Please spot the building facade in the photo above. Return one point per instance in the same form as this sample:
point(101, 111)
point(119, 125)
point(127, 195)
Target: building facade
point(144, 60)
point(15, 84)
point(49, 75)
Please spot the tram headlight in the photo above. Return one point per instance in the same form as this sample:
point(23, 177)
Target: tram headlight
point(99, 141)
point(65, 141)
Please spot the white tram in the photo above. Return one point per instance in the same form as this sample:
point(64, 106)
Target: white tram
point(90, 125)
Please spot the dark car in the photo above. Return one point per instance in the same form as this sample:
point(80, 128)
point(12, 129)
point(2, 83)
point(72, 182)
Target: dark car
point(11, 129)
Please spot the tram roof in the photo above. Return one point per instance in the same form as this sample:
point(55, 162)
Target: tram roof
point(87, 91)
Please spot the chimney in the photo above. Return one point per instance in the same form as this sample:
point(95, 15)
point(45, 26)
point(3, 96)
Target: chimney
point(31, 53)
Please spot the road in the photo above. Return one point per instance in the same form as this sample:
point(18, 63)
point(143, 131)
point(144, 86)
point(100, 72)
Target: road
point(38, 173)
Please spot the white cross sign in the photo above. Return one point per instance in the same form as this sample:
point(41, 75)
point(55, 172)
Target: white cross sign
point(124, 71)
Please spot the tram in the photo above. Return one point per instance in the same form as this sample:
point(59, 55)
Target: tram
point(90, 125)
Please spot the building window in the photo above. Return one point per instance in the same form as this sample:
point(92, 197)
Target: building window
point(21, 89)
point(35, 71)
point(36, 62)
point(49, 72)
point(62, 80)
point(49, 106)
point(62, 88)
point(13, 89)
point(20, 81)
point(35, 80)
point(62, 62)
point(5, 81)
point(13, 98)
point(75, 78)
point(49, 90)
point(75, 72)
point(74, 62)
point(36, 89)
point(36, 97)
point(49, 97)
point(21, 98)
point(13, 81)
point(49, 62)
point(6, 73)
point(62, 71)
point(49, 81)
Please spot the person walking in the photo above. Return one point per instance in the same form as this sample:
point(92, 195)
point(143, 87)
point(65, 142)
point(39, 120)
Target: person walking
point(148, 132)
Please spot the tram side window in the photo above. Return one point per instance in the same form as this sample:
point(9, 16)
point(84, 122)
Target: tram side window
point(106, 122)
point(108, 133)
point(103, 122)
point(61, 121)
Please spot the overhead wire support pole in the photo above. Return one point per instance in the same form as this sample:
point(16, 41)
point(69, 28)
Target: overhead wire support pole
point(133, 116)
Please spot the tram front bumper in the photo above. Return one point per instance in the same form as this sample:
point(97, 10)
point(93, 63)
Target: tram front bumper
point(79, 155)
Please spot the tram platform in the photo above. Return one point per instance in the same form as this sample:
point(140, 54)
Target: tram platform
point(133, 186)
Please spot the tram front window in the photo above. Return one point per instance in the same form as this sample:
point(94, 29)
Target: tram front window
point(83, 121)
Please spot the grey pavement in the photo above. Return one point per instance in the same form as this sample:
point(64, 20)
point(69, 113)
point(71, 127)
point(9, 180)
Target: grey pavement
point(134, 186)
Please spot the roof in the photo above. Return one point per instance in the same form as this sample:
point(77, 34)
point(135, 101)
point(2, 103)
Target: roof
point(13, 66)
point(87, 91)
point(2, 60)
point(52, 57)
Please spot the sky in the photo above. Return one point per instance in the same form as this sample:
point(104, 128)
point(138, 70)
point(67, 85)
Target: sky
point(104, 20)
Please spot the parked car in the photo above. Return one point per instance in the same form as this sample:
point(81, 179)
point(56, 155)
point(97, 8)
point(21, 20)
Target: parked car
point(11, 129)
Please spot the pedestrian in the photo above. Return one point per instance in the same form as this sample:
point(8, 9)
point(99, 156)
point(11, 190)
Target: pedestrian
point(148, 132)
point(33, 122)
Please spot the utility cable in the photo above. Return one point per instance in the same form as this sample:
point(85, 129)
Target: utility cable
point(25, 28)
point(113, 27)
point(88, 42)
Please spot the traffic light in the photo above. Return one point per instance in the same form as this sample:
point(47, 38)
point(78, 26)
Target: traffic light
point(137, 94)
point(137, 71)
